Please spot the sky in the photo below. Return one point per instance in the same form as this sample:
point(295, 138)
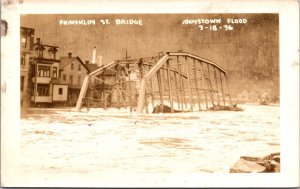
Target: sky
point(253, 45)
point(159, 32)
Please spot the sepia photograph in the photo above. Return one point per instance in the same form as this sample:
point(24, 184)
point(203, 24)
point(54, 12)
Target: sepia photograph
point(116, 97)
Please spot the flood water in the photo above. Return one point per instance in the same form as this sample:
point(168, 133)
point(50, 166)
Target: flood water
point(115, 141)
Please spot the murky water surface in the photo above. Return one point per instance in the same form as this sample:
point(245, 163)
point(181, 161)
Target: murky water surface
point(66, 141)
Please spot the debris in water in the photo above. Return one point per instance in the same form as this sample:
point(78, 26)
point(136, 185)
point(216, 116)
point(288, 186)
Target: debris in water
point(267, 164)
point(225, 108)
point(164, 109)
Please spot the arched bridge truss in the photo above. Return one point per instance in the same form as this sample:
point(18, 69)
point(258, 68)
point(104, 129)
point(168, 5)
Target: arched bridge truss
point(180, 80)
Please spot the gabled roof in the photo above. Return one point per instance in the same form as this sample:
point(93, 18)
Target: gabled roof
point(64, 61)
point(92, 67)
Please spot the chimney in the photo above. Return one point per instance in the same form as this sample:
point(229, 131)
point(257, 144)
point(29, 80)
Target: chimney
point(94, 56)
point(38, 40)
point(99, 62)
point(69, 55)
point(86, 62)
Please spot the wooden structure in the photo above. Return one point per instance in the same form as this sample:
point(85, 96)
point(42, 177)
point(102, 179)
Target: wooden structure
point(180, 80)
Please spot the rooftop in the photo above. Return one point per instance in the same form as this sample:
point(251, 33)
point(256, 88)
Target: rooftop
point(64, 61)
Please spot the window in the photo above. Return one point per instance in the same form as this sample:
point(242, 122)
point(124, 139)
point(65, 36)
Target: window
point(22, 83)
point(39, 49)
point(60, 91)
point(44, 71)
point(40, 53)
point(22, 59)
point(23, 42)
point(43, 90)
point(54, 72)
point(70, 79)
point(52, 52)
point(32, 90)
point(79, 80)
point(33, 70)
point(64, 77)
point(79, 67)
point(72, 66)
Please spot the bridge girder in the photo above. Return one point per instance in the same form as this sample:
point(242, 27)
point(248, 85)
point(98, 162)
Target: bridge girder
point(190, 81)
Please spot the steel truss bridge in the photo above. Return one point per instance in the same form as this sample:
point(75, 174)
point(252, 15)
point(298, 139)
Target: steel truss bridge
point(180, 80)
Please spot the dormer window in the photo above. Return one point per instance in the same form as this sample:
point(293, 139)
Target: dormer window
point(52, 52)
point(39, 51)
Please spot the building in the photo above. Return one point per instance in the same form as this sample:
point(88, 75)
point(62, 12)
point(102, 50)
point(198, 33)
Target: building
point(46, 87)
point(26, 46)
point(72, 71)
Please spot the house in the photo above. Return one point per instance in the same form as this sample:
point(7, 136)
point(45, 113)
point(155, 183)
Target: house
point(46, 86)
point(72, 71)
point(26, 46)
